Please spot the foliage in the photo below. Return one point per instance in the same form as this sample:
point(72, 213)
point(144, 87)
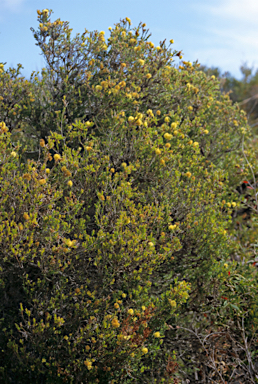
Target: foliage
point(242, 91)
point(114, 233)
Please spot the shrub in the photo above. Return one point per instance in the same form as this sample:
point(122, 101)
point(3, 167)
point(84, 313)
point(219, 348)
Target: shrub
point(115, 234)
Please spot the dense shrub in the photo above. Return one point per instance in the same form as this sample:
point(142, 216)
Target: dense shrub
point(114, 236)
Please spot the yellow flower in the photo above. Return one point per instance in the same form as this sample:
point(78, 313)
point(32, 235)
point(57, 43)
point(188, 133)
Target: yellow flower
point(88, 364)
point(151, 244)
point(130, 119)
point(110, 28)
point(148, 76)
point(157, 334)
point(43, 360)
point(26, 216)
point(3, 127)
point(158, 112)
point(172, 303)
point(47, 170)
point(88, 148)
point(115, 323)
point(206, 131)
point(171, 41)
point(167, 119)
point(130, 311)
point(167, 145)
point(226, 265)
point(173, 125)
point(157, 151)
point(116, 306)
point(124, 295)
point(66, 337)
point(45, 11)
point(128, 20)
point(233, 204)
point(168, 136)
point(144, 350)
point(112, 170)
point(57, 157)
point(38, 12)
point(70, 183)
point(26, 176)
point(172, 227)
point(98, 88)
point(141, 62)
point(13, 154)
point(188, 174)
point(143, 308)
point(104, 84)
point(158, 48)
point(190, 108)
point(195, 144)
point(123, 34)
point(42, 181)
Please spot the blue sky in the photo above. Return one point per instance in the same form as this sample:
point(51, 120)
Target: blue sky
point(221, 33)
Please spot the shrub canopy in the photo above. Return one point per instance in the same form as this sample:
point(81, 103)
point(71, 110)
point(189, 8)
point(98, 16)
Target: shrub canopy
point(114, 215)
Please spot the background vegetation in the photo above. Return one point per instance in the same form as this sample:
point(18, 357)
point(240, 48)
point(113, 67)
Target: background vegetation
point(128, 215)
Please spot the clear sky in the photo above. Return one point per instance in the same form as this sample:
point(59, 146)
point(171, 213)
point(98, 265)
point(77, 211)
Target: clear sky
point(221, 33)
